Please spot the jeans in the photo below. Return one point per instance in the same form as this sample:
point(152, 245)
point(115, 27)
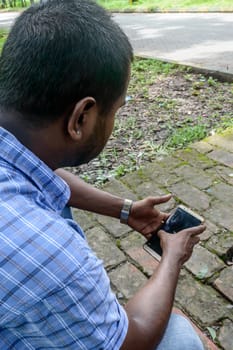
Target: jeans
point(179, 334)
point(67, 213)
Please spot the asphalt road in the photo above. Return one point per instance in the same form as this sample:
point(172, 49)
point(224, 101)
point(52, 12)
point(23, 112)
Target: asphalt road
point(203, 40)
point(7, 18)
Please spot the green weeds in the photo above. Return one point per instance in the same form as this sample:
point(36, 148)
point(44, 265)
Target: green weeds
point(186, 135)
point(3, 36)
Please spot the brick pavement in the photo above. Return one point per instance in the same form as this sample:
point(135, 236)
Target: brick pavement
point(201, 177)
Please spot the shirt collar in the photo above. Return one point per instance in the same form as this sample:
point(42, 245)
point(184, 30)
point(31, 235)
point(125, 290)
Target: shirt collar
point(27, 163)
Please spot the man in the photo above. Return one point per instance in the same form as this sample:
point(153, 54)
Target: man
point(64, 72)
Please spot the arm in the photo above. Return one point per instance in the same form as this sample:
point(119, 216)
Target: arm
point(87, 197)
point(144, 216)
point(149, 310)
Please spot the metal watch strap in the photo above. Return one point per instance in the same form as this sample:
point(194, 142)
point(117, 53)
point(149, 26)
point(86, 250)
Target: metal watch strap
point(125, 211)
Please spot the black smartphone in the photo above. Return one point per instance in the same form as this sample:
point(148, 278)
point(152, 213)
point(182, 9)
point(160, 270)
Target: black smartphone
point(180, 219)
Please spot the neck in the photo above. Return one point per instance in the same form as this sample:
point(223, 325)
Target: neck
point(45, 142)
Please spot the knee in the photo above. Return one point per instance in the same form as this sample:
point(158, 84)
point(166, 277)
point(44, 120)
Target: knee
point(186, 334)
point(180, 335)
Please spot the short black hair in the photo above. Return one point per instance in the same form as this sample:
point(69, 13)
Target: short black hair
point(58, 52)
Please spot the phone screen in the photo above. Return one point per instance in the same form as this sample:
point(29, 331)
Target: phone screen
point(181, 219)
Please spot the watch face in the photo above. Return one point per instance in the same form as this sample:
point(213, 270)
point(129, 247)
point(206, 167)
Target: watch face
point(126, 211)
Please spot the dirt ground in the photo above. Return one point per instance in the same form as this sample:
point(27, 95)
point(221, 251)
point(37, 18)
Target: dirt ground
point(181, 102)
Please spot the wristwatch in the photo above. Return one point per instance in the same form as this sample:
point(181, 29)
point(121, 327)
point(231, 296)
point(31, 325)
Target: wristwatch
point(125, 211)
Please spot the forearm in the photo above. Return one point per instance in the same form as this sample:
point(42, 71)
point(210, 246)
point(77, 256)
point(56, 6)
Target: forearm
point(87, 197)
point(149, 310)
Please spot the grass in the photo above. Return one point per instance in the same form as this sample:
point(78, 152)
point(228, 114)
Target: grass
point(185, 135)
point(18, 4)
point(3, 36)
point(163, 5)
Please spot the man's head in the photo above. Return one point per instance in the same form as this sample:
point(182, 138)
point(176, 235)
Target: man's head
point(58, 53)
point(64, 70)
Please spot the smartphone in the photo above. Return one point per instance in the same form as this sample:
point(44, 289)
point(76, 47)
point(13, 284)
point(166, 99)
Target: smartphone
point(180, 219)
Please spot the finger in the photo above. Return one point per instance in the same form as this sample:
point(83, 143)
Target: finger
point(150, 229)
point(165, 216)
point(160, 233)
point(197, 230)
point(195, 240)
point(162, 199)
point(148, 235)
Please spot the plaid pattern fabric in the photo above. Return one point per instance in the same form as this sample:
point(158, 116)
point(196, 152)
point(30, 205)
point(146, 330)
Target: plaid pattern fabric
point(54, 292)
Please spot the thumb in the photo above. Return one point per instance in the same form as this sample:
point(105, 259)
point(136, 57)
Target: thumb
point(160, 233)
point(162, 199)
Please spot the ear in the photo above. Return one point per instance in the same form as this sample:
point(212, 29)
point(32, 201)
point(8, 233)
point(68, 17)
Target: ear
point(81, 118)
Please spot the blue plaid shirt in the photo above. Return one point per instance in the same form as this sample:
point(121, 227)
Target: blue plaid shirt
point(54, 292)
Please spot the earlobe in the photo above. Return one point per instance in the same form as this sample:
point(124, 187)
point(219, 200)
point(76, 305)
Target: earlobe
point(75, 135)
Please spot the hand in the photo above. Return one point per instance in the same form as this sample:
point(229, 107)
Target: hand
point(179, 246)
point(145, 218)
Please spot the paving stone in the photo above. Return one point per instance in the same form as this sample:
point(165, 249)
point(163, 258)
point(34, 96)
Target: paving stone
point(224, 173)
point(203, 263)
point(134, 239)
point(223, 141)
point(222, 190)
point(120, 297)
point(224, 283)
point(225, 335)
point(162, 172)
point(113, 226)
point(221, 214)
point(133, 180)
point(151, 172)
point(165, 179)
point(104, 247)
point(168, 162)
point(202, 302)
point(195, 177)
point(211, 229)
point(150, 189)
point(85, 220)
point(133, 246)
point(128, 279)
point(230, 316)
point(220, 242)
point(196, 159)
point(191, 196)
point(202, 147)
point(222, 156)
point(168, 206)
point(117, 188)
